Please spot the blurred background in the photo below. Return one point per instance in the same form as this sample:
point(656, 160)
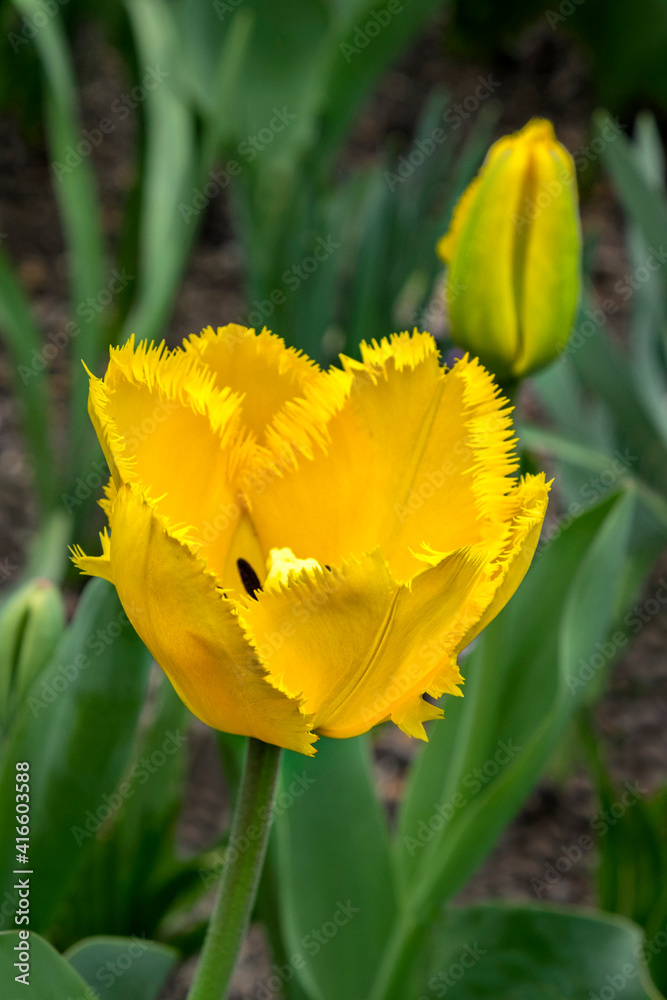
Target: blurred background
point(170, 165)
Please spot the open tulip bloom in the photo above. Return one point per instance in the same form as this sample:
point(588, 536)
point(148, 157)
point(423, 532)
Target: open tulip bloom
point(305, 552)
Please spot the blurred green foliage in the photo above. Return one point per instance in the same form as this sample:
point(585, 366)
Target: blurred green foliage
point(244, 107)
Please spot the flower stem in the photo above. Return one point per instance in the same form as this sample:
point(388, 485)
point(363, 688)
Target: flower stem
point(240, 878)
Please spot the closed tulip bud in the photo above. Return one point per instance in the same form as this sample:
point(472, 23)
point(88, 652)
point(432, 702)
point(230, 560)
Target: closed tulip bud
point(513, 251)
point(31, 624)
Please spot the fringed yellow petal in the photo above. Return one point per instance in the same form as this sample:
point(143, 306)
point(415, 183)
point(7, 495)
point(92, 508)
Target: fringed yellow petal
point(172, 377)
point(405, 350)
point(357, 646)
point(258, 367)
point(301, 427)
point(410, 718)
point(414, 456)
point(287, 400)
point(191, 628)
point(172, 430)
point(94, 565)
point(110, 491)
point(112, 444)
point(238, 469)
point(491, 439)
point(508, 568)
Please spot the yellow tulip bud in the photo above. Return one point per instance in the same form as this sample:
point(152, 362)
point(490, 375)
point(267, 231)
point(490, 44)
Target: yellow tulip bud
point(513, 250)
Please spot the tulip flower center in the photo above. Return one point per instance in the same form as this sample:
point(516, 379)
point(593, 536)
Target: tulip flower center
point(249, 578)
point(282, 563)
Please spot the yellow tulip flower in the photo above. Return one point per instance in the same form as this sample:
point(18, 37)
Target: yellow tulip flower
point(513, 251)
point(303, 551)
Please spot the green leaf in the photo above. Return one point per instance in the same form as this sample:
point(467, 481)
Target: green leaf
point(519, 698)
point(631, 876)
point(335, 877)
point(279, 70)
point(493, 951)
point(522, 690)
point(133, 876)
point(565, 449)
point(75, 729)
point(579, 417)
point(24, 345)
point(358, 55)
point(32, 622)
point(632, 871)
point(647, 357)
point(603, 369)
point(50, 976)
point(75, 191)
point(212, 47)
point(646, 208)
point(123, 968)
point(584, 457)
point(592, 600)
point(648, 150)
point(649, 321)
point(169, 172)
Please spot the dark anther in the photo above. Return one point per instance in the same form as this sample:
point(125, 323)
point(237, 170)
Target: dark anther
point(249, 578)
